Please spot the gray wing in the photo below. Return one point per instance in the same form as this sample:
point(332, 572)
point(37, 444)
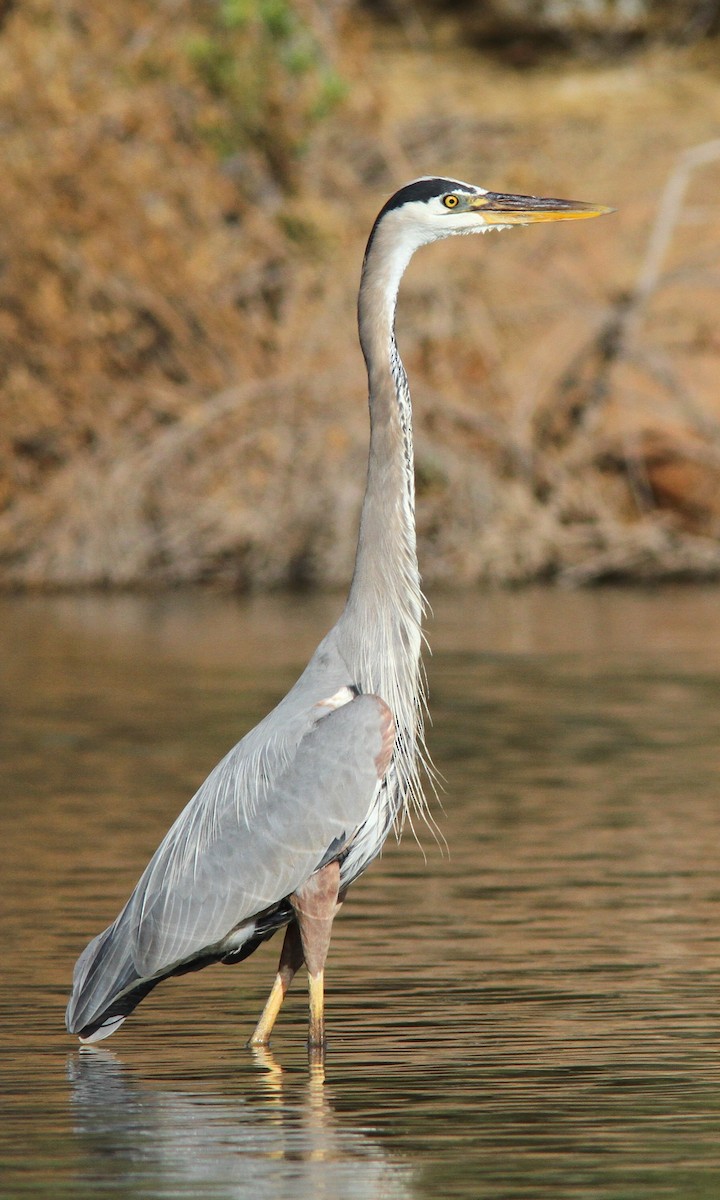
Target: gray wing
point(195, 893)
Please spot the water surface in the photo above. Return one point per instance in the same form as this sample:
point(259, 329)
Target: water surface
point(531, 1012)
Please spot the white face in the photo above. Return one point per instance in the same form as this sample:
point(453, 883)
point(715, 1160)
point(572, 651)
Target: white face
point(453, 213)
point(457, 211)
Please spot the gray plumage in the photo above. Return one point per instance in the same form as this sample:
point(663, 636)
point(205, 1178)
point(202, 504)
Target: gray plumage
point(247, 840)
point(324, 777)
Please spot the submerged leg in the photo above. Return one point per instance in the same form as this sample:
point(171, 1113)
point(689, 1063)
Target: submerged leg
point(291, 959)
point(316, 904)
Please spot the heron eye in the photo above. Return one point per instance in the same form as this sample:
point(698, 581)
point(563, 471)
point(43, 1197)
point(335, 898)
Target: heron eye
point(450, 201)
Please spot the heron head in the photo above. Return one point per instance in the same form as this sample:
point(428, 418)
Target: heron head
point(432, 207)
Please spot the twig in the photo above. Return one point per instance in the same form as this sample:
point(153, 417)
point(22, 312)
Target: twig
point(663, 230)
point(585, 385)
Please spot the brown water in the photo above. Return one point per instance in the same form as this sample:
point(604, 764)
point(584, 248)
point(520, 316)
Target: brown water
point(534, 1015)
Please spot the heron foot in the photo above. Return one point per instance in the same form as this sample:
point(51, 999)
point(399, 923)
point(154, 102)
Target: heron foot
point(316, 1063)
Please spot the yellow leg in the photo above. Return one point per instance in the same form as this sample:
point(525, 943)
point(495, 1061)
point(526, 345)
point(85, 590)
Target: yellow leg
point(291, 960)
point(264, 1027)
point(316, 993)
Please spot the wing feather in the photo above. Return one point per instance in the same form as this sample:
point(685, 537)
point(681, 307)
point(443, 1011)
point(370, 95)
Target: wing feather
point(208, 878)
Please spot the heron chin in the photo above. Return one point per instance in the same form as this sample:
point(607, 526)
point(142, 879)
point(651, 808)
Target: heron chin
point(297, 810)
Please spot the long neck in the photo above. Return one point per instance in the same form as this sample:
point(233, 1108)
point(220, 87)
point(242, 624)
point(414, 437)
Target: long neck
point(381, 622)
point(386, 547)
point(386, 581)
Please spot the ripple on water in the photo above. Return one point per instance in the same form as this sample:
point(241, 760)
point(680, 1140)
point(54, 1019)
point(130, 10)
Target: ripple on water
point(534, 1015)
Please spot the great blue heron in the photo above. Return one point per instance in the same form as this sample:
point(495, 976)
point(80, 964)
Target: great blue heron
point(299, 808)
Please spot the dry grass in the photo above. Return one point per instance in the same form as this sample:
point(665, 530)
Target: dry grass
point(182, 394)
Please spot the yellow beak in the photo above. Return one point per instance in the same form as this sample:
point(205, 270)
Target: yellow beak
point(503, 209)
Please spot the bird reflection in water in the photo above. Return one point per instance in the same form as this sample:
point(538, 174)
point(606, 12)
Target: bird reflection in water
point(285, 1142)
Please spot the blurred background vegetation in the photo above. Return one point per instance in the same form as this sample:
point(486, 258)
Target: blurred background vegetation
point(187, 188)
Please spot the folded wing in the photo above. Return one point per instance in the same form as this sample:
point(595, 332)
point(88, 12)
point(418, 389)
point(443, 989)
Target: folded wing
point(211, 877)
